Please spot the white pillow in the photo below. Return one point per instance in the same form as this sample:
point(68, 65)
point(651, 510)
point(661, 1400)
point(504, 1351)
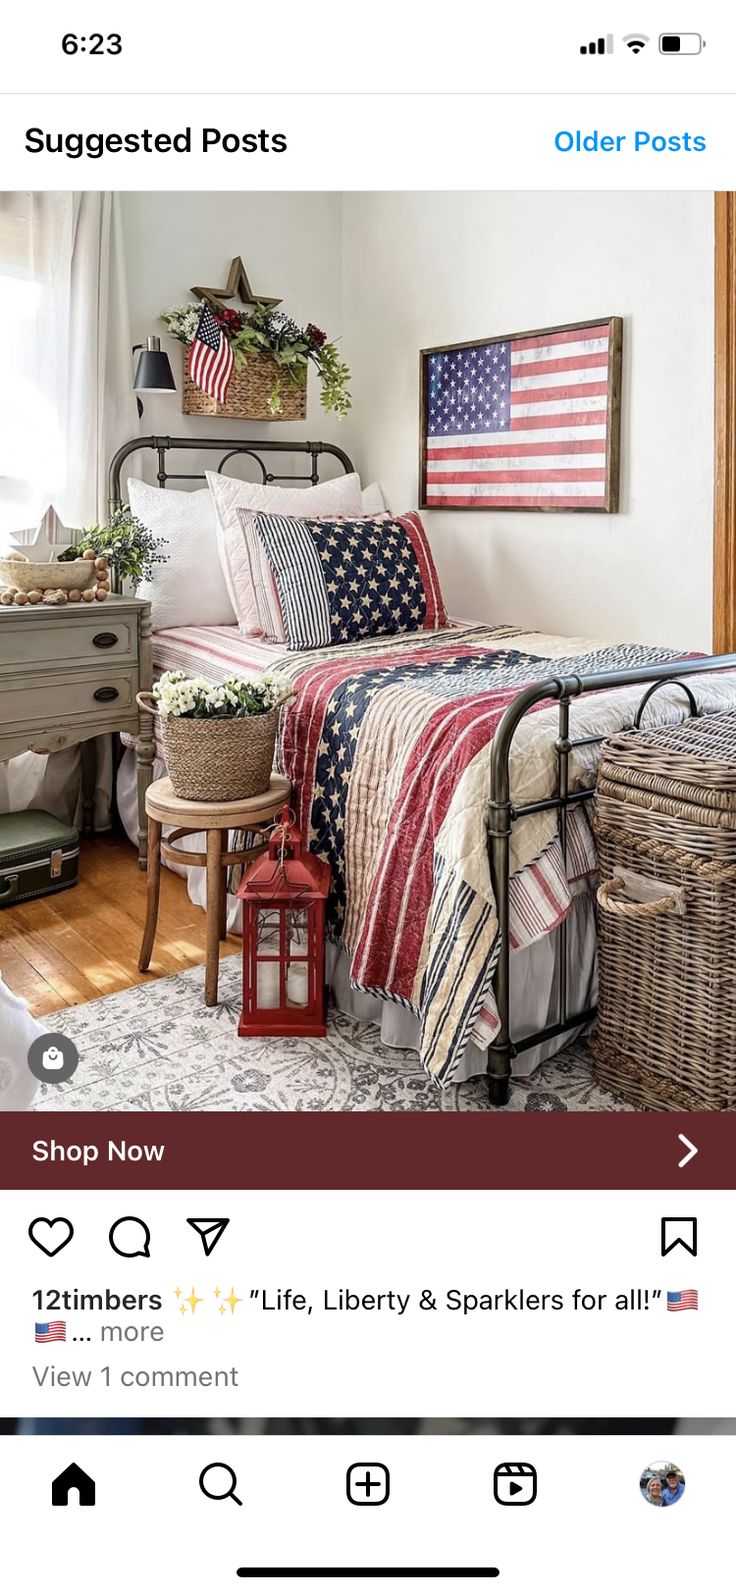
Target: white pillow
point(374, 500)
point(190, 588)
point(340, 497)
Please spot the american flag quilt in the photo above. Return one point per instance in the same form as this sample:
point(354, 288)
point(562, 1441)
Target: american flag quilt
point(388, 745)
point(527, 422)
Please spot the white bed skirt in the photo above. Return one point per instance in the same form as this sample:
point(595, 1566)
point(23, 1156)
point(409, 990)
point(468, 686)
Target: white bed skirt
point(533, 968)
point(53, 781)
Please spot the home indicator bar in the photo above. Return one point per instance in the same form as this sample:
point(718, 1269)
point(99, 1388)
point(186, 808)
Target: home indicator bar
point(434, 1571)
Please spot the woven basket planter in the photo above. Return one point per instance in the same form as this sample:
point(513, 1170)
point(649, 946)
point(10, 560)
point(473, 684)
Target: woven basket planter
point(247, 395)
point(217, 760)
point(665, 826)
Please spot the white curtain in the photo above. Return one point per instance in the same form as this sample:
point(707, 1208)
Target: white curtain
point(66, 403)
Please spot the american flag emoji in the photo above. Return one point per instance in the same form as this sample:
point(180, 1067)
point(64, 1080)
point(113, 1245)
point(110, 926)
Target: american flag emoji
point(211, 358)
point(682, 1299)
point(520, 424)
point(51, 1332)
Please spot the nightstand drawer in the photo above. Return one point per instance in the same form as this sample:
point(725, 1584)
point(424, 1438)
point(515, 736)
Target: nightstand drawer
point(102, 695)
point(32, 640)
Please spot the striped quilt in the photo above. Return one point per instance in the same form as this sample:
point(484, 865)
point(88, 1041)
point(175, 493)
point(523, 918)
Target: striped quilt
point(387, 745)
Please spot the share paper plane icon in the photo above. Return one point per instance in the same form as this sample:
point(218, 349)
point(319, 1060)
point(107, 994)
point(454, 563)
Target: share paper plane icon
point(210, 1230)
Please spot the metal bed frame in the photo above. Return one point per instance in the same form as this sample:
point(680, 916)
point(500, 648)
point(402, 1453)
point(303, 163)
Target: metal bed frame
point(248, 447)
point(502, 811)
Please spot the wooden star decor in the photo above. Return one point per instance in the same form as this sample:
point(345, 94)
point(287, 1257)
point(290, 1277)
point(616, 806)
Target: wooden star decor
point(237, 283)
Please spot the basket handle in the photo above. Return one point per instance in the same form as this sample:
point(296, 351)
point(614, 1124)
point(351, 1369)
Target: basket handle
point(610, 889)
point(144, 700)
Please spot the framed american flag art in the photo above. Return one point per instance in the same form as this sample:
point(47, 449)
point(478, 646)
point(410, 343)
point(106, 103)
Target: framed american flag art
point(526, 421)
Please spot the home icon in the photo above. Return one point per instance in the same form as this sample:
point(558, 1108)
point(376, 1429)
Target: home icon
point(69, 1480)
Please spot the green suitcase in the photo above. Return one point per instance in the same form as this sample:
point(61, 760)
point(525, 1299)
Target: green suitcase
point(38, 855)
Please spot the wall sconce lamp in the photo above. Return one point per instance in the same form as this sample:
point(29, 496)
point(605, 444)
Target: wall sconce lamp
point(153, 372)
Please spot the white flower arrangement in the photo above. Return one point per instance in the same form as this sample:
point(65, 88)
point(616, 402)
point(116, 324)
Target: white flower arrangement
point(182, 321)
point(237, 698)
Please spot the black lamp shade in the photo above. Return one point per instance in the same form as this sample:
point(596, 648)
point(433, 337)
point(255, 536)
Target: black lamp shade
point(154, 373)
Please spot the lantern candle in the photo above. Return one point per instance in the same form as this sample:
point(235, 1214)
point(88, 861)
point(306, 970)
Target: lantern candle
point(283, 895)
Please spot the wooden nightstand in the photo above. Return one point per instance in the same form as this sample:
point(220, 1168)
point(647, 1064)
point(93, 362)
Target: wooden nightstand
point(69, 674)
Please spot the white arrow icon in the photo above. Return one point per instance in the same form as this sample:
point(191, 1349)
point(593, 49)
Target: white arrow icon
point(692, 1150)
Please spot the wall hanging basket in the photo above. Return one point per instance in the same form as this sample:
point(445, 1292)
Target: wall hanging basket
point(217, 760)
point(247, 398)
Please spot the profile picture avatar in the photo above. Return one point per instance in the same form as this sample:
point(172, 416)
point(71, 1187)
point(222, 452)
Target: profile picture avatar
point(662, 1484)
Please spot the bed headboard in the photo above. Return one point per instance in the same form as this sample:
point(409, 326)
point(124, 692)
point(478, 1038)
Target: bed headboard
point(251, 448)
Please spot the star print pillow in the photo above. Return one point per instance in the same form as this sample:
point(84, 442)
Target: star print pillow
point(341, 580)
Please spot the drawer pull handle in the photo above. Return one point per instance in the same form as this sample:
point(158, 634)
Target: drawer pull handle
point(106, 694)
point(105, 639)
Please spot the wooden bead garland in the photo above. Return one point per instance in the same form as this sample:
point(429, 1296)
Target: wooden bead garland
point(56, 596)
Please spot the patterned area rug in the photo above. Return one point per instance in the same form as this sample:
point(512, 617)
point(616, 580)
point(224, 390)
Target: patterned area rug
point(156, 1048)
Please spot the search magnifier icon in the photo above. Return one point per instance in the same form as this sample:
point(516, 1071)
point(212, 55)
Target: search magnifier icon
point(218, 1481)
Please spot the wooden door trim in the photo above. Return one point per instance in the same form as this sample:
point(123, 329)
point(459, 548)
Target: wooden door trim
point(724, 505)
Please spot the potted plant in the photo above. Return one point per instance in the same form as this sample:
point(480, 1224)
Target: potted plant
point(130, 549)
point(219, 741)
point(272, 358)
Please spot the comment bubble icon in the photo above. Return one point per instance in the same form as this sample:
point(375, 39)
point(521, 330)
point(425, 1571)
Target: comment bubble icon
point(130, 1237)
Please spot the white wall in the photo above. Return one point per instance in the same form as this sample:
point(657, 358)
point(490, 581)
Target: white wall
point(423, 269)
point(391, 273)
point(291, 245)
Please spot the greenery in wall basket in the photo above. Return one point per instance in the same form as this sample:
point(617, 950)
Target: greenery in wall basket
point(129, 547)
point(269, 331)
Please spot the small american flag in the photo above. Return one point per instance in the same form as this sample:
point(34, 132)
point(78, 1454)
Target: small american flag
point(682, 1299)
point(50, 1332)
point(522, 424)
point(211, 358)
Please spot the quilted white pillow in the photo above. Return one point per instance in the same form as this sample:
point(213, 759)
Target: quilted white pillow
point(374, 500)
point(190, 588)
point(341, 497)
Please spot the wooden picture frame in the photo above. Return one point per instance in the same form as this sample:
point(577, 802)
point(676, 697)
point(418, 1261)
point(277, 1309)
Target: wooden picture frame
point(603, 497)
point(724, 496)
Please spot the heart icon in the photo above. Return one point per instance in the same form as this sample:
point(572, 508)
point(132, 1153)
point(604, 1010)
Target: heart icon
point(51, 1234)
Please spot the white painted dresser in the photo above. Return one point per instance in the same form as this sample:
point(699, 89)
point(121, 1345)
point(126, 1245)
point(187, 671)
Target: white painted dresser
point(71, 673)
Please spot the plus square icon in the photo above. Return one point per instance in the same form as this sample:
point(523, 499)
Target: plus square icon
point(368, 1483)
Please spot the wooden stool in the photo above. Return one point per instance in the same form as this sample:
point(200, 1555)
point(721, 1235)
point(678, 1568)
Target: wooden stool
point(216, 818)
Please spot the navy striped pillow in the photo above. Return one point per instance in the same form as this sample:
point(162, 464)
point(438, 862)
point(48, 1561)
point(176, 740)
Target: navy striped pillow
point(341, 580)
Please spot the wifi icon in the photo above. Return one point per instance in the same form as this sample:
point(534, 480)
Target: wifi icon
point(636, 41)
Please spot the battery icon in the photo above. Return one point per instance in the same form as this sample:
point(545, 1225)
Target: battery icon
point(681, 44)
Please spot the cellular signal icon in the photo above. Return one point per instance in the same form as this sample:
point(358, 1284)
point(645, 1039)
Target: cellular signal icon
point(636, 41)
point(603, 46)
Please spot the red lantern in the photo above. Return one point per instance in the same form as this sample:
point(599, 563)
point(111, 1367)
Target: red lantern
point(284, 894)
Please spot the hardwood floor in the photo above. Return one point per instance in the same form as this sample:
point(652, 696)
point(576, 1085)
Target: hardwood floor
point(84, 943)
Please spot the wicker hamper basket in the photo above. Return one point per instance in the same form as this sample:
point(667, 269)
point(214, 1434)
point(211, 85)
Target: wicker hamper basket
point(665, 824)
point(218, 759)
point(247, 395)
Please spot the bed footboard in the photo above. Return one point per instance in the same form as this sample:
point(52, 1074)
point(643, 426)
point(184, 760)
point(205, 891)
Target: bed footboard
point(503, 813)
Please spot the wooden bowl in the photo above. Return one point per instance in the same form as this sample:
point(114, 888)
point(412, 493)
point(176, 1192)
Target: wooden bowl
point(65, 577)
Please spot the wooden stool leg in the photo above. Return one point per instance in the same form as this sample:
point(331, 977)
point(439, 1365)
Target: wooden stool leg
point(222, 920)
point(215, 888)
point(154, 886)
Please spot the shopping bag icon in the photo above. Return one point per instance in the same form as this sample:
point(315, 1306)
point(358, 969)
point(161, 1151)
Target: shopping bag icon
point(52, 1059)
